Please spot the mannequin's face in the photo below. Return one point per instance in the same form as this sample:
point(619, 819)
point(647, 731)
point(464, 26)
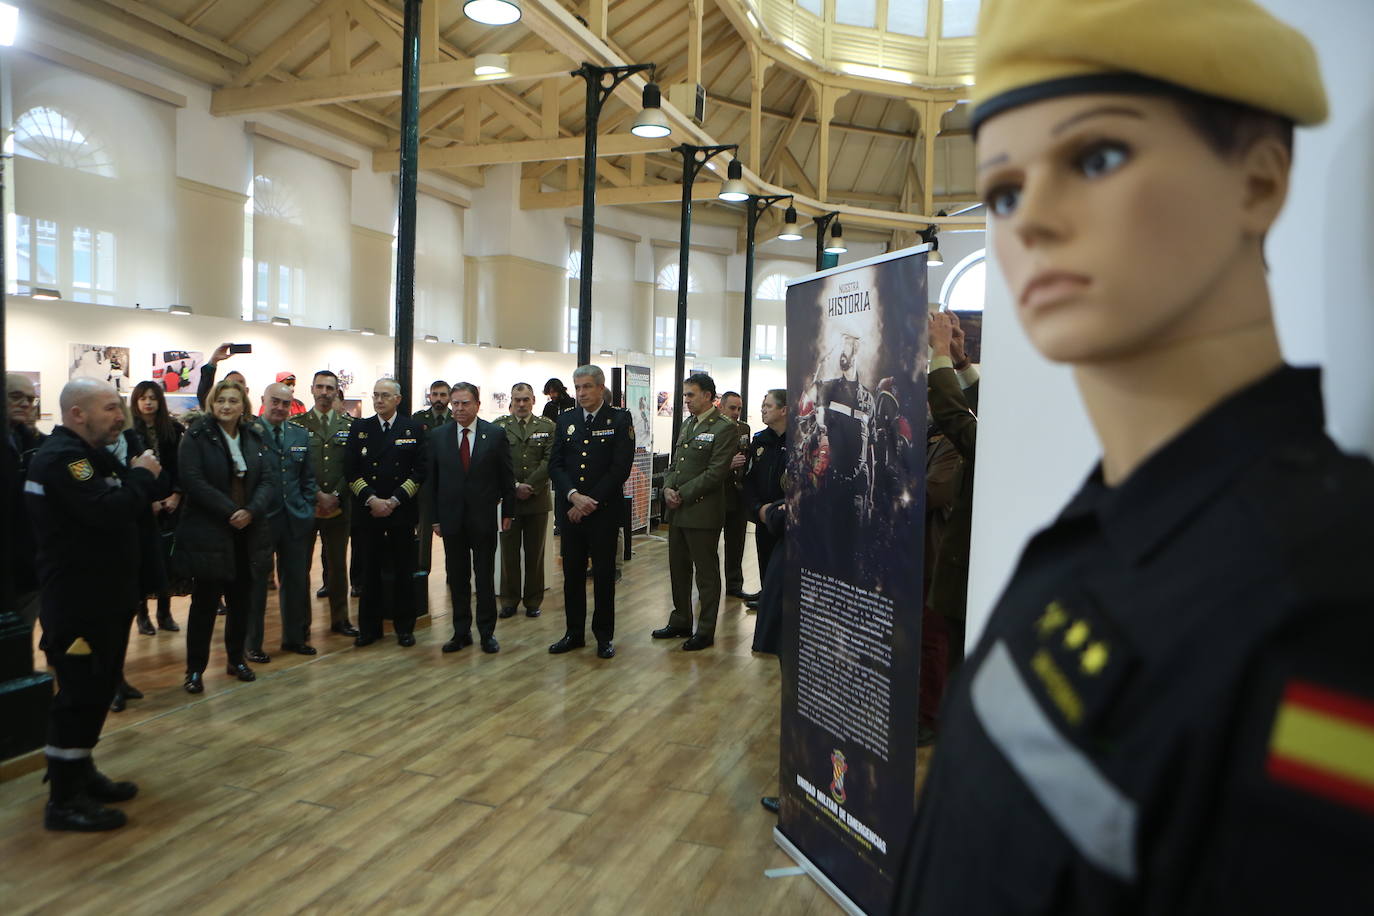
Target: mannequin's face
point(1116, 225)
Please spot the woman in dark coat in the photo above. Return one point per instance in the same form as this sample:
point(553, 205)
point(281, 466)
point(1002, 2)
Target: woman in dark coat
point(222, 538)
point(152, 427)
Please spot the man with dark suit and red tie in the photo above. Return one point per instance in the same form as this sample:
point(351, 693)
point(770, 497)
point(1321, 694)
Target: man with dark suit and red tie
point(384, 464)
point(470, 475)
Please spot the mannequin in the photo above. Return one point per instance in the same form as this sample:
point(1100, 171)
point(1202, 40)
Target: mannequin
point(1165, 712)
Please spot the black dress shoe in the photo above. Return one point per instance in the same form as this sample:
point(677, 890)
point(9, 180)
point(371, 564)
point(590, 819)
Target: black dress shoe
point(771, 803)
point(671, 632)
point(364, 640)
point(131, 691)
point(117, 704)
point(605, 650)
point(405, 640)
point(751, 605)
point(490, 645)
point(459, 641)
point(531, 612)
point(193, 682)
point(345, 629)
point(697, 643)
point(82, 814)
point(506, 612)
point(145, 626)
point(746, 596)
point(165, 622)
point(353, 592)
point(322, 591)
point(567, 644)
point(300, 648)
point(222, 610)
point(242, 672)
point(257, 656)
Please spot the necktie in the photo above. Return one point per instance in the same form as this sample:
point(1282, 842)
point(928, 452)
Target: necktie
point(386, 427)
point(590, 415)
point(463, 451)
point(279, 442)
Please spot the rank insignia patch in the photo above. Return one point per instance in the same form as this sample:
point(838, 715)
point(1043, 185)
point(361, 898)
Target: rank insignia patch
point(81, 469)
point(571, 429)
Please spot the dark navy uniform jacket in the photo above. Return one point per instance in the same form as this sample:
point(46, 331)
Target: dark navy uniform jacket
point(384, 466)
point(767, 464)
point(593, 459)
point(1171, 710)
point(92, 520)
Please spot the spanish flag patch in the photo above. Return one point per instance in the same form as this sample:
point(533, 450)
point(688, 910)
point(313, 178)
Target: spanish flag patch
point(1323, 744)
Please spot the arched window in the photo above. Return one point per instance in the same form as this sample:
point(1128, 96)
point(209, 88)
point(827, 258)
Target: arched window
point(966, 286)
point(773, 286)
point(667, 279)
point(575, 265)
point(49, 135)
point(273, 198)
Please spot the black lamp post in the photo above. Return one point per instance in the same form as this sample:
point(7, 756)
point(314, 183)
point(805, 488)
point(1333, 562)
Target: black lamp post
point(405, 233)
point(822, 229)
point(601, 82)
point(758, 205)
point(693, 158)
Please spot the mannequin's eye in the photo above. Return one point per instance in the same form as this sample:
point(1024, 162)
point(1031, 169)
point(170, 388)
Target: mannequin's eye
point(1102, 159)
point(1002, 200)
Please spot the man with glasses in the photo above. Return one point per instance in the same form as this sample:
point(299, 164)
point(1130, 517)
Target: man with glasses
point(22, 442)
point(384, 463)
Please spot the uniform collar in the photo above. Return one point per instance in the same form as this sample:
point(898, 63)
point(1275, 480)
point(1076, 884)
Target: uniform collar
point(1181, 478)
point(706, 416)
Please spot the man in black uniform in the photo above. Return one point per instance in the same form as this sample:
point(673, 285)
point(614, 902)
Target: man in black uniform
point(431, 418)
point(385, 464)
point(593, 451)
point(1171, 709)
point(85, 510)
point(763, 481)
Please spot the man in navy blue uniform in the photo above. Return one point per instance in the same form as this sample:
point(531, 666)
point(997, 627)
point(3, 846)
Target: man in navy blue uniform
point(384, 464)
point(593, 451)
point(85, 509)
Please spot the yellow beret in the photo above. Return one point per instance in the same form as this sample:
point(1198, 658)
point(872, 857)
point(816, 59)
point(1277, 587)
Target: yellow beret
point(1234, 50)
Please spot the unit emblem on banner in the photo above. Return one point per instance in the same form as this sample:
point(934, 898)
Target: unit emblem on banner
point(838, 767)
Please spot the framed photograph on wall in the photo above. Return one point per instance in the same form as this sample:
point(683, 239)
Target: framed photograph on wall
point(101, 361)
point(177, 370)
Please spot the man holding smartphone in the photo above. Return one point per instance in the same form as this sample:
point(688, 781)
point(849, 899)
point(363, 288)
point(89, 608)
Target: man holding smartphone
point(207, 371)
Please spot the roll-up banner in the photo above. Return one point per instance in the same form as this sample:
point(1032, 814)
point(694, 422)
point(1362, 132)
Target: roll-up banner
point(851, 636)
point(639, 402)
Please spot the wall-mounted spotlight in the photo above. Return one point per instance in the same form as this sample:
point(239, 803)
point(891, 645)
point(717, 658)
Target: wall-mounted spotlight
point(651, 123)
point(791, 232)
point(179, 310)
point(491, 65)
point(281, 321)
point(430, 338)
point(734, 190)
point(930, 235)
point(492, 12)
point(608, 353)
point(367, 332)
point(836, 244)
point(43, 292)
point(484, 344)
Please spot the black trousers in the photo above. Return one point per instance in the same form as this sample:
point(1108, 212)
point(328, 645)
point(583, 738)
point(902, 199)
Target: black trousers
point(87, 676)
point(238, 598)
point(594, 537)
point(467, 552)
point(763, 546)
point(383, 550)
point(736, 526)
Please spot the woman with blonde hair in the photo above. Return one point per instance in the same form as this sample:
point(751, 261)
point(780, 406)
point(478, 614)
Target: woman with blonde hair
point(222, 537)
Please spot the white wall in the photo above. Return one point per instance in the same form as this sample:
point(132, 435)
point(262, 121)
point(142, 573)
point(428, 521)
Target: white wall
point(1035, 444)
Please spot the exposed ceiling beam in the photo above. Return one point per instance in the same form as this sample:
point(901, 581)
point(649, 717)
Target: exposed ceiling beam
point(178, 28)
point(521, 151)
point(531, 198)
point(327, 90)
point(288, 41)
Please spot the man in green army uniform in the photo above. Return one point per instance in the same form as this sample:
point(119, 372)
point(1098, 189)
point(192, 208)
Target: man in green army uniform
point(531, 441)
point(432, 417)
point(736, 515)
point(694, 493)
point(328, 427)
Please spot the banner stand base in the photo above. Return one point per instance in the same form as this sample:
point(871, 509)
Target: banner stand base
point(849, 906)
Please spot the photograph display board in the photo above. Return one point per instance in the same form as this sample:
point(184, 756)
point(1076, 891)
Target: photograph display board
point(101, 361)
point(638, 400)
point(851, 635)
point(178, 371)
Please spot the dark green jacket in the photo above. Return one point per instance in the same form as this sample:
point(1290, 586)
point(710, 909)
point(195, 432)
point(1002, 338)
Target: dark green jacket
point(950, 405)
point(530, 447)
point(700, 471)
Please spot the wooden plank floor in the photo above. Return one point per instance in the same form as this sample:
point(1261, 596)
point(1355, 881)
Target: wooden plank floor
point(404, 780)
